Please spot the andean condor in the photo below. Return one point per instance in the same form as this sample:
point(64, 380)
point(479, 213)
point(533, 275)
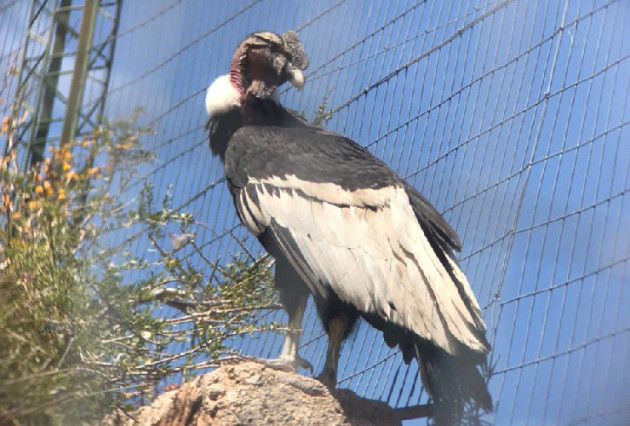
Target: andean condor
point(345, 228)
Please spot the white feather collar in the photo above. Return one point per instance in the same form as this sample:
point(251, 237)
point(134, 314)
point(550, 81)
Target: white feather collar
point(222, 96)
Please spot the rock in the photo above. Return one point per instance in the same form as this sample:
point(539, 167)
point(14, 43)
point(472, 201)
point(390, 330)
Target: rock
point(214, 391)
point(253, 394)
point(253, 380)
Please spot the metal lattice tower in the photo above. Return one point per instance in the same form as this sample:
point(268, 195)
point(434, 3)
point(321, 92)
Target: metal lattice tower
point(64, 72)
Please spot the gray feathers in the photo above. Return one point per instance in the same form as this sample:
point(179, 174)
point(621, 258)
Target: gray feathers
point(347, 224)
point(362, 240)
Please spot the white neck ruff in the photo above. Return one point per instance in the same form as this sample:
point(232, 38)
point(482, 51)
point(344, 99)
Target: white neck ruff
point(222, 96)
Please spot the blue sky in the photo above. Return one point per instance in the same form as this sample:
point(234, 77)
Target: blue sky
point(516, 128)
point(510, 116)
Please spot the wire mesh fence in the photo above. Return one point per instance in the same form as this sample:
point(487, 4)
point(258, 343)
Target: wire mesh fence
point(13, 18)
point(510, 116)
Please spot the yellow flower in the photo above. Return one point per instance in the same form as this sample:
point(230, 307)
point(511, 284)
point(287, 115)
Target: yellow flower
point(33, 205)
point(6, 201)
point(48, 188)
point(72, 176)
point(92, 171)
point(39, 190)
point(86, 143)
point(66, 167)
point(61, 196)
point(6, 125)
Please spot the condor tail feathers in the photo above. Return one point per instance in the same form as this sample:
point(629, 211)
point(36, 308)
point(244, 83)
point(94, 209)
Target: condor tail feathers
point(455, 385)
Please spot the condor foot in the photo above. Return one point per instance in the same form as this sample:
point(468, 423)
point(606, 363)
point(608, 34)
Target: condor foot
point(328, 378)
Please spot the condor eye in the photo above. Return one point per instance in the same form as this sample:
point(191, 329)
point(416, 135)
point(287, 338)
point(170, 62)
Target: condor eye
point(279, 62)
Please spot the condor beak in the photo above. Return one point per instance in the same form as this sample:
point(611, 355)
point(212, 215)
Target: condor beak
point(296, 76)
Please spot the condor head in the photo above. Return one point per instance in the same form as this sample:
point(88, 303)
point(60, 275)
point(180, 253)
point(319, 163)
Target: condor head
point(262, 62)
point(265, 61)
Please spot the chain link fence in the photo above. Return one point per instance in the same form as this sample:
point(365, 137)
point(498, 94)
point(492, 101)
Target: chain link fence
point(510, 116)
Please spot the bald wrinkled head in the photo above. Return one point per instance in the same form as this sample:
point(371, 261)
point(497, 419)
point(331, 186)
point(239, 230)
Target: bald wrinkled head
point(265, 61)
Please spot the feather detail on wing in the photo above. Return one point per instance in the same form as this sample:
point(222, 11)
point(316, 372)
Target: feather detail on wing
point(368, 247)
point(432, 222)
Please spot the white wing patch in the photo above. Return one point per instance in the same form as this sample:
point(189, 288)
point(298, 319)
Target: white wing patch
point(368, 247)
point(329, 192)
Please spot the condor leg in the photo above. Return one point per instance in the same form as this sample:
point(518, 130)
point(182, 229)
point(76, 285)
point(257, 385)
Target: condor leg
point(339, 320)
point(293, 295)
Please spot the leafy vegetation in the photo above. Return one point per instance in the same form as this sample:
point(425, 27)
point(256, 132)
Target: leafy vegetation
point(83, 324)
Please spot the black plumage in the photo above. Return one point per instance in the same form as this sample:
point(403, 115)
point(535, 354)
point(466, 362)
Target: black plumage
point(345, 228)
